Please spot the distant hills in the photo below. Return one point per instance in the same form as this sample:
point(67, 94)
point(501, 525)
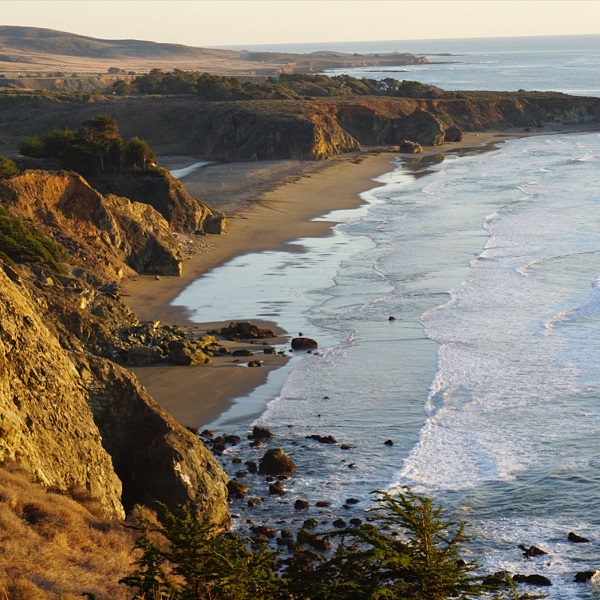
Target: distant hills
point(32, 51)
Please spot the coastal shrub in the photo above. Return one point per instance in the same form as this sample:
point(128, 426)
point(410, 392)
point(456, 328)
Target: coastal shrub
point(95, 148)
point(21, 243)
point(190, 561)
point(8, 168)
point(406, 550)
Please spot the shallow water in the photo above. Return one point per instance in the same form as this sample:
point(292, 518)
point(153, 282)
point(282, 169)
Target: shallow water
point(487, 381)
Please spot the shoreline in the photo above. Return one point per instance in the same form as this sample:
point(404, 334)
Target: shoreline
point(264, 213)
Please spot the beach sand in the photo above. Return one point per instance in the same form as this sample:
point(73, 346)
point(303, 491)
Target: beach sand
point(268, 205)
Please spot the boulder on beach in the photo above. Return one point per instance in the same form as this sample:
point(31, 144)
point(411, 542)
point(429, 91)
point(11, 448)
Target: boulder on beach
point(410, 147)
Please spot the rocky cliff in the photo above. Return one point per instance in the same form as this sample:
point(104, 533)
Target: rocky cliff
point(111, 233)
point(69, 415)
point(281, 129)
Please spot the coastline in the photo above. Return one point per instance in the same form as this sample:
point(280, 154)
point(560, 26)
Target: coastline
point(264, 213)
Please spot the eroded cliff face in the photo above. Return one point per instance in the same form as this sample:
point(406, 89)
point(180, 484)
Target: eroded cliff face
point(114, 234)
point(70, 416)
point(46, 425)
point(166, 195)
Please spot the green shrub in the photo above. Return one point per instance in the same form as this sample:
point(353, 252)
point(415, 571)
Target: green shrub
point(8, 168)
point(22, 244)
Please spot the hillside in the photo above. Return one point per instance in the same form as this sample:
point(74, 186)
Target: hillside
point(36, 58)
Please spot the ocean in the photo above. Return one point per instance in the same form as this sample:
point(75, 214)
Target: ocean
point(487, 381)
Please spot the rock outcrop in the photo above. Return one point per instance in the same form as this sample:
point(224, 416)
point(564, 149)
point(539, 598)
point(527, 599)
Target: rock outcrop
point(116, 235)
point(69, 416)
point(160, 190)
point(46, 425)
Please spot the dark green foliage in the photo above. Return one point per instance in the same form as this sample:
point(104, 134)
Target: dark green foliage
point(95, 148)
point(411, 552)
point(288, 86)
point(407, 551)
point(201, 563)
point(22, 244)
point(8, 168)
point(138, 153)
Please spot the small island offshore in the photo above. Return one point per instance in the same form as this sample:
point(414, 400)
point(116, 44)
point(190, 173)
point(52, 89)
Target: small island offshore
point(106, 470)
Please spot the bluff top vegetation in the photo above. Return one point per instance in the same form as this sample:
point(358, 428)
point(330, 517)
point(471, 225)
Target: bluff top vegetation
point(96, 147)
point(295, 86)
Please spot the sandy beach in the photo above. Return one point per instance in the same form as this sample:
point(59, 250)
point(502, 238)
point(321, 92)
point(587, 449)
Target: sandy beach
point(268, 205)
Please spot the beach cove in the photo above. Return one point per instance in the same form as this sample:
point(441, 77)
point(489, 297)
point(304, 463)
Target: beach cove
point(269, 205)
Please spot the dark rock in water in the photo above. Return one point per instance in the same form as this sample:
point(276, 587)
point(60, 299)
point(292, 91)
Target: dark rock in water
point(584, 576)
point(252, 502)
point(391, 318)
point(577, 539)
point(252, 466)
point(310, 524)
point(323, 439)
point(270, 351)
point(261, 433)
point(352, 501)
point(276, 462)
point(304, 343)
point(497, 579)
point(237, 489)
point(286, 534)
point(255, 363)
point(322, 504)
point(532, 551)
point(408, 147)
point(276, 489)
point(240, 474)
point(207, 433)
point(263, 530)
point(301, 505)
point(346, 447)
point(340, 523)
point(256, 444)
point(534, 579)
point(356, 522)
point(453, 134)
point(388, 443)
point(234, 440)
point(236, 460)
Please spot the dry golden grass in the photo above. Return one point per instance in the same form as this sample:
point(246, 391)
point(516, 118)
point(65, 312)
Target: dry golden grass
point(52, 547)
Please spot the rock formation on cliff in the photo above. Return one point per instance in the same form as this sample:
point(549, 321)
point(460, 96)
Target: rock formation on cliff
point(70, 416)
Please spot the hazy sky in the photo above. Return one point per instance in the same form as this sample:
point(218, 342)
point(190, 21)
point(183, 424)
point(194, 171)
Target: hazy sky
point(231, 22)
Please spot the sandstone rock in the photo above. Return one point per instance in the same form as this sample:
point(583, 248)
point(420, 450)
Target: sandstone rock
point(255, 363)
point(237, 489)
point(108, 232)
point(408, 147)
point(421, 127)
point(46, 426)
point(276, 489)
point(143, 356)
point(304, 343)
point(453, 134)
point(245, 331)
point(276, 462)
point(182, 352)
point(154, 456)
point(261, 433)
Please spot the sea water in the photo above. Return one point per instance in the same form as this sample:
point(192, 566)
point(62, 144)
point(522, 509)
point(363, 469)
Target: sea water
point(567, 63)
point(486, 381)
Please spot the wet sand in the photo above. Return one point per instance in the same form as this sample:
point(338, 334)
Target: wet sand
point(268, 205)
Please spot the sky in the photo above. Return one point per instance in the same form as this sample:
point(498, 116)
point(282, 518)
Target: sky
point(246, 22)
